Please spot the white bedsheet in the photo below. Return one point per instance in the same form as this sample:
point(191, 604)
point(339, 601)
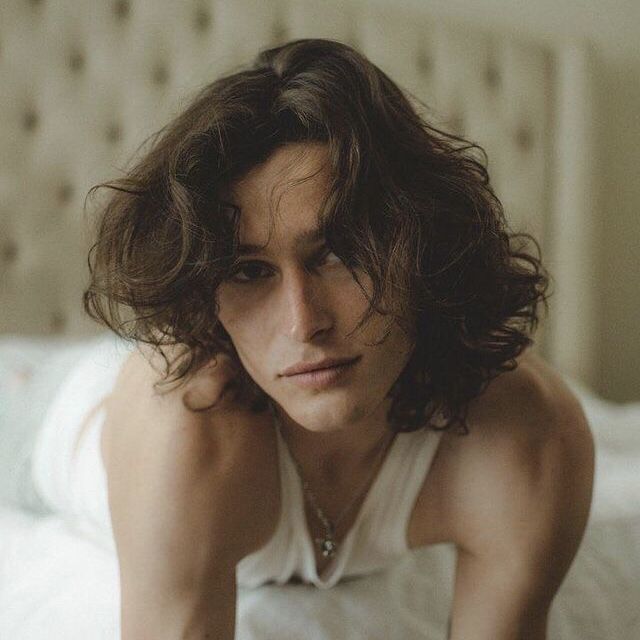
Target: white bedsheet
point(56, 584)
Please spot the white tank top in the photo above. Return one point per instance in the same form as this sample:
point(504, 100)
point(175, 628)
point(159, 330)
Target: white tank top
point(377, 537)
point(74, 482)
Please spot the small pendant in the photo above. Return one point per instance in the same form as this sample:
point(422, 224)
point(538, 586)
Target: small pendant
point(328, 547)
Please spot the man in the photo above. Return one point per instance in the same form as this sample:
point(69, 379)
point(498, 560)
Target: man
point(358, 234)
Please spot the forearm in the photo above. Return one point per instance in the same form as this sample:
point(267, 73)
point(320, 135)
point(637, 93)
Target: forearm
point(532, 628)
point(208, 614)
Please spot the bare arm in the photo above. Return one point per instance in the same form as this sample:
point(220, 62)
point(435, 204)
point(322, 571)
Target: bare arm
point(522, 503)
point(182, 508)
point(206, 613)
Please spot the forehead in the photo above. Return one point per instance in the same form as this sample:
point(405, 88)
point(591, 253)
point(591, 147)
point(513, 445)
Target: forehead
point(286, 191)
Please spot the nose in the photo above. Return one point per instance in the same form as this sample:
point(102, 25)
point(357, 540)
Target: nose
point(306, 310)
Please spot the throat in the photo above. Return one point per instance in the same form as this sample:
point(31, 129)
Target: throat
point(333, 485)
point(339, 473)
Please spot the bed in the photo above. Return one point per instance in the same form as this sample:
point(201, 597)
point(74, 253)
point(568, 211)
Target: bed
point(84, 84)
point(57, 580)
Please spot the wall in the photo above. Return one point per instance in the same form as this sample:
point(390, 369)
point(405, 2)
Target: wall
point(612, 27)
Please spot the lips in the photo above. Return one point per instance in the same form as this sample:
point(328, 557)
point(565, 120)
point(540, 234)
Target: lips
point(326, 363)
point(328, 378)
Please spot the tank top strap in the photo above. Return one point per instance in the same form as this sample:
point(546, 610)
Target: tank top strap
point(392, 506)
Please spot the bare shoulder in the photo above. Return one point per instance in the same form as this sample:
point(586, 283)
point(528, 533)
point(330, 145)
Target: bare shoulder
point(123, 430)
point(133, 403)
point(528, 441)
point(134, 399)
point(195, 411)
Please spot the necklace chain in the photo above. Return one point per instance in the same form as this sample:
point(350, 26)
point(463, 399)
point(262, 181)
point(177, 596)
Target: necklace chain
point(327, 544)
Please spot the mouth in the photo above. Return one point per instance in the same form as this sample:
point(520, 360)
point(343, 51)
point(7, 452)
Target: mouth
point(325, 363)
point(326, 376)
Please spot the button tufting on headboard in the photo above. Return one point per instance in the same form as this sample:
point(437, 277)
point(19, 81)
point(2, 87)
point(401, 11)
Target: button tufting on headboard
point(85, 88)
point(160, 74)
point(113, 132)
point(121, 8)
point(202, 19)
point(424, 63)
point(9, 251)
point(524, 138)
point(65, 193)
point(279, 32)
point(492, 76)
point(76, 61)
point(57, 322)
point(30, 120)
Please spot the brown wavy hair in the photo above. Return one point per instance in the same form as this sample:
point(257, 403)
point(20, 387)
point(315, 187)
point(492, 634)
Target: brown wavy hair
point(408, 204)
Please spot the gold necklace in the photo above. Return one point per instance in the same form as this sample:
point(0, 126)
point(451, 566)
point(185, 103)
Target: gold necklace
point(327, 543)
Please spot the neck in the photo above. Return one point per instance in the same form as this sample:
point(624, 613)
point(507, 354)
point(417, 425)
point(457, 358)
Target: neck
point(339, 453)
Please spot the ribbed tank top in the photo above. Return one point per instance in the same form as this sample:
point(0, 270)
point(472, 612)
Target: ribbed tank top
point(377, 537)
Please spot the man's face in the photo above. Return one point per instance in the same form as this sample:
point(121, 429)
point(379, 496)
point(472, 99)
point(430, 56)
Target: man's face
point(297, 305)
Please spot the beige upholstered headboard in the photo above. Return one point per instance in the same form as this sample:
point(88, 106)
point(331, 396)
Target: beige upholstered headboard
point(84, 83)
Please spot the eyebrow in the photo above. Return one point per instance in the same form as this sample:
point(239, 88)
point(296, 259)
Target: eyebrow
point(308, 237)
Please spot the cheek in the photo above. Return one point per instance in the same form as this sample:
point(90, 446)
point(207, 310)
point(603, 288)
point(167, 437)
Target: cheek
point(250, 344)
point(229, 306)
point(239, 323)
point(358, 303)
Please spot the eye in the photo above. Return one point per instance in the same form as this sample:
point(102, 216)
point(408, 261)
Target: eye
point(253, 265)
point(244, 267)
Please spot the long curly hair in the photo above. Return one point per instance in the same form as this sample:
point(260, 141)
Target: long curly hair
point(407, 203)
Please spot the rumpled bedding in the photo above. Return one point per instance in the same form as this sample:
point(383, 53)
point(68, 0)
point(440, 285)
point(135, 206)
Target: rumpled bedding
point(56, 583)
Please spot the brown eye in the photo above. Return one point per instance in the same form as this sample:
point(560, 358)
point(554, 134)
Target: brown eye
point(246, 267)
point(252, 268)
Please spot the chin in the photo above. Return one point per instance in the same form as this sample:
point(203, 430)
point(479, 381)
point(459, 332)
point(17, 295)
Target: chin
point(324, 417)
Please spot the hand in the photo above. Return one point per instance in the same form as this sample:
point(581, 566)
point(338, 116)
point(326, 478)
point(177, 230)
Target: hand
point(191, 493)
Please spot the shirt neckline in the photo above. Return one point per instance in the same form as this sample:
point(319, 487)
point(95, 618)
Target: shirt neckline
point(328, 576)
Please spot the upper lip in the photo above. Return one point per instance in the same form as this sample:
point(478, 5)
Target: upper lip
point(303, 367)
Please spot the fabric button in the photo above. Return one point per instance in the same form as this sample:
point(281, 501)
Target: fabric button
point(492, 77)
point(76, 61)
point(121, 8)
point(57, 322)
point(113, 133)
point(202, 19)
point(9, 251)
point(160, 74)
point(30, 120)
point(65, 193)
point(424, 63)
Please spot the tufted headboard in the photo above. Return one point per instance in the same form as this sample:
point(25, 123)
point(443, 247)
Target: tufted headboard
point(84, 83)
